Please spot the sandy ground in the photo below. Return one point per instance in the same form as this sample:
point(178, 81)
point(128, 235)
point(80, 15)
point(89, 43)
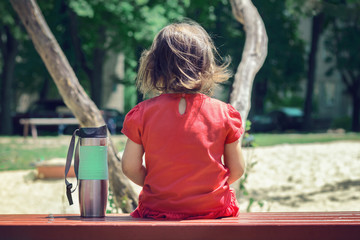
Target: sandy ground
point(306, 177)
point(22, 193)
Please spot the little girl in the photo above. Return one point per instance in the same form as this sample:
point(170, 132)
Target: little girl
point(183, 133)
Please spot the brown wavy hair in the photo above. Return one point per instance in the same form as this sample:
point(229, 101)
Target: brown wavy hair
point(181, 59)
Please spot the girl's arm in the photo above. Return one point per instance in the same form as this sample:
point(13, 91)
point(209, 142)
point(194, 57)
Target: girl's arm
point(234, 160)
point(132, 162)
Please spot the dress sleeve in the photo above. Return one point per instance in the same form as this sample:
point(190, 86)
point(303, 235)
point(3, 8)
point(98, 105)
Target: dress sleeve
point(234, 125)
point(132, 126)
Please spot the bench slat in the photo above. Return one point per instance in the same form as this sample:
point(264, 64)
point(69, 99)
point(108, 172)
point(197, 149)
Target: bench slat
point(329, 225)
point(33, 122)
point(48, 121)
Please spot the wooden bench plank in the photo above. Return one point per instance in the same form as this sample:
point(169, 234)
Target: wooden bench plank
point(328, 225)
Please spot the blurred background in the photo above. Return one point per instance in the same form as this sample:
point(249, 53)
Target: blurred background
point(303, 146)
point(310, 80)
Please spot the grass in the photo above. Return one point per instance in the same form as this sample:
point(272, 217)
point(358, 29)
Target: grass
point(276, 139)
point(18, 153)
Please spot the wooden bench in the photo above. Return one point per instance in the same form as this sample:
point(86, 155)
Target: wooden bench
point(250, 226)
point(33, 122)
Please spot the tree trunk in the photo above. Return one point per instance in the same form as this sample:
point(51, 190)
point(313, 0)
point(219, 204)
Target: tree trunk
point(258, 96)
point(72, 92)
point(253, 57)
point(97, 73)
point(45, 88)
point(9, 51)
point(355, 126)
point(317, 23)
point(76, 42)
point(355, 93)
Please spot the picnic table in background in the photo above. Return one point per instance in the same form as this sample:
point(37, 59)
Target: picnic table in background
point(33, 122)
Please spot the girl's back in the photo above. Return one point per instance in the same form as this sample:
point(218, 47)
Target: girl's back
point(185, 174)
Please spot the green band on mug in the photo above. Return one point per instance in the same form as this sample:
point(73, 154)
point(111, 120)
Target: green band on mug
point(93, 163)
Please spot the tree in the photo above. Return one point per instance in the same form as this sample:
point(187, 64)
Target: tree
point(338, 18)
point(72, 92)
point(217, 18)
point(9, 43)
point(343, 45)
point(254, 54)
point(316, 29)
point(314, 9)
point(128, 26)
point(277, 82)
point(80, 104)
point(30, 76)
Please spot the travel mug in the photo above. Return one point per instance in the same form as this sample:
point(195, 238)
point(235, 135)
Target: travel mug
point(91, 169)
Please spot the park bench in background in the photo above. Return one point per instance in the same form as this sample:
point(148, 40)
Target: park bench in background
point(249, 226)
point(33, 122)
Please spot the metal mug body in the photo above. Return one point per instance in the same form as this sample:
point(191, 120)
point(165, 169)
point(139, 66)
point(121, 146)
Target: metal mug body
point(93, 192)
point(93, 197)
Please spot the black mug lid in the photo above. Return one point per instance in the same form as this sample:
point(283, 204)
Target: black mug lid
point(93, 132)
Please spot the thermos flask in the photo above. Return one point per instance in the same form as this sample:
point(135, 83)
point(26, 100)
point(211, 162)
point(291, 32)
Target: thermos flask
point(91, 170)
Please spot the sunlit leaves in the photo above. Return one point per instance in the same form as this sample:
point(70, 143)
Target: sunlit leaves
point(82, 8)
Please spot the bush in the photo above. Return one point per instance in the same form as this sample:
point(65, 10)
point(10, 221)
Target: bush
point(342, 122)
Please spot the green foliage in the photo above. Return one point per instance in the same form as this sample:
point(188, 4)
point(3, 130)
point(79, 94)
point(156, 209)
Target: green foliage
point(341, 32)
point(111, 206)
point(8, 18)
point(342, 122)
point(244, 192)
point(227, 33)
point(292, 101)
point(248, 140)
point(216, 17)
point(31, 75)
point(249, 167)
point(130, 26)
point(131, 97)
point(248, 126)
point(342, 43)
point(127, 26)
point(82, 8)
point(284, 66)
point(303, 8)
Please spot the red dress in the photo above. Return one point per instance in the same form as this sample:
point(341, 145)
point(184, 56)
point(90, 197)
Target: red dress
point(185, 175)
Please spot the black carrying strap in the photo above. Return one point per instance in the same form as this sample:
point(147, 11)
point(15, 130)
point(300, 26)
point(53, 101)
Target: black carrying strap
point(68, 165)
